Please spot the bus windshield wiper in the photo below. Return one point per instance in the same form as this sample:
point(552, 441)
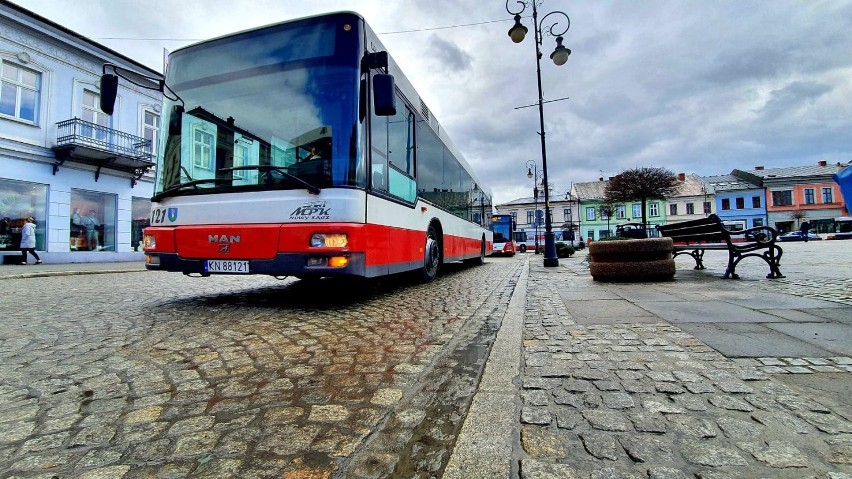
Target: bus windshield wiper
point(269, 168)
point(180, 186)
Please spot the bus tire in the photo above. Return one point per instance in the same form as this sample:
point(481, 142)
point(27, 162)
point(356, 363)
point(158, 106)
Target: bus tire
point(522, 248)
point(431, 255)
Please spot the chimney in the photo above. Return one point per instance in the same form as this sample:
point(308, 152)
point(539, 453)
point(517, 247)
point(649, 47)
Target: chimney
point(681, 177)
point(822, 163)
point(758, 168)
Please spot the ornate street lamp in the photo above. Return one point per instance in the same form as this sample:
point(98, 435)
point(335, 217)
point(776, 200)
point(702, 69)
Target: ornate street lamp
point(559, 56)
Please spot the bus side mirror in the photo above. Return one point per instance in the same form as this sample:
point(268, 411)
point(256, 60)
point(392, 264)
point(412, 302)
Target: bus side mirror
point(109, 91)
point(175, 120)
point(384, 95)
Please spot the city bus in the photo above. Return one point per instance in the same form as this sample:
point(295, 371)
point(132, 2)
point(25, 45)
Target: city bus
point(842, 228)
point(503, 229)
point(525, 240)
point(301, 149)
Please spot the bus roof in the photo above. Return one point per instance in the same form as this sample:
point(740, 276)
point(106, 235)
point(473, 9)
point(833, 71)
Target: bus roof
point(270, 25)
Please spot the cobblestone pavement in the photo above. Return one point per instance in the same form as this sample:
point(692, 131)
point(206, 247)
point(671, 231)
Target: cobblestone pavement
point(647, 400)
point(140, 375)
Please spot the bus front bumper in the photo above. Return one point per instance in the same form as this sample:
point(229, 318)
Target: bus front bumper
point(283, 264)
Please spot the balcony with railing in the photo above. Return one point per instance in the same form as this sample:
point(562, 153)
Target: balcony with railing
point(84, 142)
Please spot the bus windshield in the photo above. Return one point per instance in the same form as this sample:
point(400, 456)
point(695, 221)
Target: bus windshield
point(275, 108)
point(502, 232)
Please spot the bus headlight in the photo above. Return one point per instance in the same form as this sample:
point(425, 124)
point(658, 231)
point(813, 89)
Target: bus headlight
point(329, 240)
point(150, 242)
point(332, 262)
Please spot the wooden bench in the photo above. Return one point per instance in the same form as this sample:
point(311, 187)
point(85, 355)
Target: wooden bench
point(696, 236)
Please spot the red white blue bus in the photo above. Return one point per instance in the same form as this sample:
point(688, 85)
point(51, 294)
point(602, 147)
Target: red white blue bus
point(300, 149)
point(503, 228)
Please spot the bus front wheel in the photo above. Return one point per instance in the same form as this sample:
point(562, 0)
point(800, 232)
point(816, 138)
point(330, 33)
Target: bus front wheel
point(431, 255)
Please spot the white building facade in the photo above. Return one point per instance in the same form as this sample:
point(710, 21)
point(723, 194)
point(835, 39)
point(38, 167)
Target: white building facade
point(528, 215)
point(86, 177)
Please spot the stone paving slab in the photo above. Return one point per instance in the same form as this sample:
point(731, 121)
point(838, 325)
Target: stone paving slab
point(706, 311)
point(752, 340)
point(835, 337)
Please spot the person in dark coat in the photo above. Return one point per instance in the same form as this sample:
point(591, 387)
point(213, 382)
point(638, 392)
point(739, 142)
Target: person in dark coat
point(803, 229)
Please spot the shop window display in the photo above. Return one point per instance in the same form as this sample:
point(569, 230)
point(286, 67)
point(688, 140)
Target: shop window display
point(92, 221)
point(18, 201)
point(141, 220)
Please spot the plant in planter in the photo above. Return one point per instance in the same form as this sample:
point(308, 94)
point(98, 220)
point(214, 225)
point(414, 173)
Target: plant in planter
point(648, 259)
point(641, 184)
point(564, 250)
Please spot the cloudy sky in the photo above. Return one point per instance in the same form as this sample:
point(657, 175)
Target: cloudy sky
point(693, 86)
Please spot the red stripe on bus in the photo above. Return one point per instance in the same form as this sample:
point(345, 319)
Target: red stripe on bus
point(382, 244)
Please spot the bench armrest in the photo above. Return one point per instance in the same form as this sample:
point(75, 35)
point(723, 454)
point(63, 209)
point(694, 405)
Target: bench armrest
point(760, 234)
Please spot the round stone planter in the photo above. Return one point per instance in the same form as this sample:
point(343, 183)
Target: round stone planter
point(632, 260)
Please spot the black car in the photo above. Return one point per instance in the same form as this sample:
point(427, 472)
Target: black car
point(631, 230)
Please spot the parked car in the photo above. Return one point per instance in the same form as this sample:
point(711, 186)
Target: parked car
point(631, 230)
point(797, 236)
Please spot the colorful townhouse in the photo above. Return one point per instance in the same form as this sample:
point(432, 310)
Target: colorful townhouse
point(795, 194)
point(692, 200)
point(739, 203)
point(595, 225)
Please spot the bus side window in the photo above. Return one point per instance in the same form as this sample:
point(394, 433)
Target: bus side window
point(392, 150)
point(379, 152)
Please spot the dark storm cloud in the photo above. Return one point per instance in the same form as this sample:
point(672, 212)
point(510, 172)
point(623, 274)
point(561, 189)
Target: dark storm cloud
point(449, 55)
point(792, 97)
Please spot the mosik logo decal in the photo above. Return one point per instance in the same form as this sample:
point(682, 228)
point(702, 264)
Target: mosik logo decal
point(314, 210)
point(172, 214)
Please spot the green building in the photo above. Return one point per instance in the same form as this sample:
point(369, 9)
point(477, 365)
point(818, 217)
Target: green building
point(595, 225)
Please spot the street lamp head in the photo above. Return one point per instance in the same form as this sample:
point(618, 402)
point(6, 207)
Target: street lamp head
point(560, 54)
point(529, 173)
point(518, 31)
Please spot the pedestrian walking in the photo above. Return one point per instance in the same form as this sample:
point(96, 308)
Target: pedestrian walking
point(803, 229)
point(28, 241)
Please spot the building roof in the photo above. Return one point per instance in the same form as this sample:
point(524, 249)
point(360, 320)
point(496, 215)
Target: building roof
point(520, 201)
point(592, 190)
point(728, 183)
point(690, 186)
point(531, 200)
point(795, 171)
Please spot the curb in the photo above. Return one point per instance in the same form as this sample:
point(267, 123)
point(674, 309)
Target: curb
point(485, 443)
point(46, 274)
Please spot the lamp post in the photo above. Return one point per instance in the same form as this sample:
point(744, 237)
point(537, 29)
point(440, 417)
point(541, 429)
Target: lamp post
point(559, 56)
point(532, 172)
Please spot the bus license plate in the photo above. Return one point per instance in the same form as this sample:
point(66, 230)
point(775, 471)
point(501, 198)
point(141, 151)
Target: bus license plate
point(226, 266)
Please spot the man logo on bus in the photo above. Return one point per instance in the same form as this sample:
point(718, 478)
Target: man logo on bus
point(314, 210)
point(223, 239)
point(172, 213)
